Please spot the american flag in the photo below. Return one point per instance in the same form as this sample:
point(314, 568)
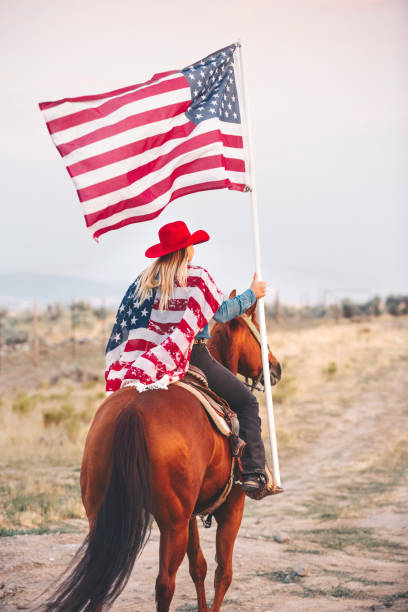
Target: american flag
point(130, 152)
point(150, 348)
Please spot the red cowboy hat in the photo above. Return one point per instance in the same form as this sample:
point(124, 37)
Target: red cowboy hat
point(175, 236)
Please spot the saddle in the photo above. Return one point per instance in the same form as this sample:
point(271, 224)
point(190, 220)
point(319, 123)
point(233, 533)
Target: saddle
point(217, 408)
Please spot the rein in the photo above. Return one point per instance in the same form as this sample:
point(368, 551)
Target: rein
point(254, 385)
point(257, 380)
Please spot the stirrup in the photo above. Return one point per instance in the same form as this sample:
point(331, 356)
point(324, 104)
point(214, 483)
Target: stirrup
point(253, 483)
point(269, 488)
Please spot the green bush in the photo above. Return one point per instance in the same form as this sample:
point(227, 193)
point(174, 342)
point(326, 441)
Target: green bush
point(66, 416)
point(23, 404)
point(100, 313)
point(13, 335)
point(397, 305)
point(331, 368)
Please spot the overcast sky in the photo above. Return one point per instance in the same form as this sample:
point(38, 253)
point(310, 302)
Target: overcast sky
point(328, 95)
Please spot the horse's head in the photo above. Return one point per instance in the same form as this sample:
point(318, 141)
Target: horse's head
point(236, 344)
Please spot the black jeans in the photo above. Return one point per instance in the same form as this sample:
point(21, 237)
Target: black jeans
point(241, 400)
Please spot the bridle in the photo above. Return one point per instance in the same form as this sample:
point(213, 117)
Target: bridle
point(255, 380)
point(258, 379)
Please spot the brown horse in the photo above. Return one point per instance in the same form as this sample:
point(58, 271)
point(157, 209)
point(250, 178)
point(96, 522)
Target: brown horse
point(156, 454)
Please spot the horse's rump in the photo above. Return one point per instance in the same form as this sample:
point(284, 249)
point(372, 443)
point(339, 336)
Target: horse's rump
point(188, 458)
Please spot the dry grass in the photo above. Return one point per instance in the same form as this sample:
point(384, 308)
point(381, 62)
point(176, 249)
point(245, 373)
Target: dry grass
point(40, 502)
point(42, 436)
point(326, 369)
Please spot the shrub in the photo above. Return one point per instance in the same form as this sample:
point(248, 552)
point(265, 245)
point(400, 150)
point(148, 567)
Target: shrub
point(12, 335)
point(54, 312)
point(331, 368)
point(90, 383)
point(23, 404)
point(397, 305)
point(349, 309)
point(100, 313)
point(66, 416)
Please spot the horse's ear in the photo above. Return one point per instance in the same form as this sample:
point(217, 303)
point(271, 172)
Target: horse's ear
point(251, 312)
point(233, 293)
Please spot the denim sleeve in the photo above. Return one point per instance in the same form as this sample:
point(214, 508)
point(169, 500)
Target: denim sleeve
point(234, 307)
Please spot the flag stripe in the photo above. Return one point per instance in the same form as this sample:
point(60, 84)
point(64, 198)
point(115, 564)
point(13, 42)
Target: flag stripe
point(176, 303)
point(151, 116)
point(124, 180)
point(149, 211)
point(129, 110)
point(140, 113)
point(231, 131)
point(177, 354)
point(208, 185)
point(160, 327)
point(195, 308)
point(156, 156)
point(129, 150)
point(209, 298)
point(132, 190)
point(116, 92)
point(185, 328)
point(138, 345)
point(107, 108)
point(161, 187)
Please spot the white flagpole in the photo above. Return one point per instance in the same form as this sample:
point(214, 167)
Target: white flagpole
point(245, 119)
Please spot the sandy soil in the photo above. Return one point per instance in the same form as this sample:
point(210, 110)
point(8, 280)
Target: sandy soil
point(344, 511)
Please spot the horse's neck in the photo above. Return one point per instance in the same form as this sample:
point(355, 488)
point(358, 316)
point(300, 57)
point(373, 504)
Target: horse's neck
point(222, 350)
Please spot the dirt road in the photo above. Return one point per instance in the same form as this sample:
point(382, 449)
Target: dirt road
point(343, 431)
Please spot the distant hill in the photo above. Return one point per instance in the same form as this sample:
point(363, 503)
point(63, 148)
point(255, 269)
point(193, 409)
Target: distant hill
point(19, 289)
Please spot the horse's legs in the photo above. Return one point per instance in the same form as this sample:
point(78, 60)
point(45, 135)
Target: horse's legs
point(198, 565)
point(228, 517)
point(173, 546)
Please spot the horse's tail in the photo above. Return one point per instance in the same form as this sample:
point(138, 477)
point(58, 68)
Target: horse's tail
point(103, 564)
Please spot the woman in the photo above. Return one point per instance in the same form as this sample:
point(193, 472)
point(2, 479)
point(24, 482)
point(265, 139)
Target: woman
point(162, 326)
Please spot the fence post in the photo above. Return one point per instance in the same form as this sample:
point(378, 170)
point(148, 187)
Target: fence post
point(1, 343)
point(36, 352)
point(277, 308)
point(73, 326)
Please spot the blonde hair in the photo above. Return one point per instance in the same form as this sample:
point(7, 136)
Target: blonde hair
point(163, 273)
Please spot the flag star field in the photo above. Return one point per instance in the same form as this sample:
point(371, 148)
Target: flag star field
point(213, 88)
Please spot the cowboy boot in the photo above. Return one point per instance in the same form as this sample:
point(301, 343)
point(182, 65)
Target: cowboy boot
point(258, 486)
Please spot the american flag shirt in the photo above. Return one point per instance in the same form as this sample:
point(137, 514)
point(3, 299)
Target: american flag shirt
point(150, 348)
